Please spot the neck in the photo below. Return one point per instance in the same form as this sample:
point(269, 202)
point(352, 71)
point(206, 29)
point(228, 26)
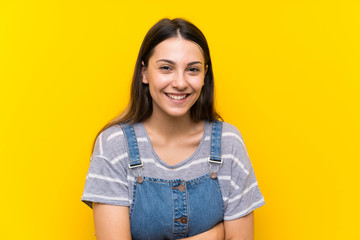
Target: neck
point(171, 127)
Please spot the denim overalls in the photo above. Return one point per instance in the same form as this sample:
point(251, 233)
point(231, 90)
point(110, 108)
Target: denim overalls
point(175, 209)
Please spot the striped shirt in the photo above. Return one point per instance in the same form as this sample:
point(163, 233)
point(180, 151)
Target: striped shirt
point(109, 179)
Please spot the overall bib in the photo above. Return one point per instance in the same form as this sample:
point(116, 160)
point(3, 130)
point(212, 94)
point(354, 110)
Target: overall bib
point(175, 209)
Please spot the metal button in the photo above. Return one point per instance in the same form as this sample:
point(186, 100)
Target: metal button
point(181, 187)
point(139, 179)
point(213, 175)
point(183, 220)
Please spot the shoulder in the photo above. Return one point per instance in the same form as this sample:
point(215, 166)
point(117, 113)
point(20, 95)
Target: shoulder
point(112, 133)
point(233, 145)
point(110, 142)
point(231, 134)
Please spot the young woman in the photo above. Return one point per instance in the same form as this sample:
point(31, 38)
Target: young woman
point(167, 167)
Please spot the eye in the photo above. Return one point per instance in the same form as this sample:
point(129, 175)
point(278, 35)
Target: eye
point(167, 68)
point(194, 69)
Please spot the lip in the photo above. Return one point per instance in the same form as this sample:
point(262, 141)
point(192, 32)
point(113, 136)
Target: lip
point(177, 94)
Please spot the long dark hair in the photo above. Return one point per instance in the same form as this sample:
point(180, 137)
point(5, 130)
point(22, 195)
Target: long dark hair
point(140, 105)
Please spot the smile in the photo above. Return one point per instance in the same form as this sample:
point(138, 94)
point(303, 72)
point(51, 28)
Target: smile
point(177, 97)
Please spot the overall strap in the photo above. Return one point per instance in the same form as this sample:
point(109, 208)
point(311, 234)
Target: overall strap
point(134, 156)
point(215, 151)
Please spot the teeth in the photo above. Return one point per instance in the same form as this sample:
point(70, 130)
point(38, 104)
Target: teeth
point(177, 97)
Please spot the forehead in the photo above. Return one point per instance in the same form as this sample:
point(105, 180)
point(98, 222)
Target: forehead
point(177, 49)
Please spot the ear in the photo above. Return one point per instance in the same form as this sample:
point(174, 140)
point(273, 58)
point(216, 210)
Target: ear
point(144, 73)
point(206, 69)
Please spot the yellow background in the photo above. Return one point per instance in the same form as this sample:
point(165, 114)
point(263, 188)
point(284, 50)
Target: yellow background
point(286, 72)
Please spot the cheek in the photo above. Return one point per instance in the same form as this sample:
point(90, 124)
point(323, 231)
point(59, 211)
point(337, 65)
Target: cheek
point(157, 81)
point(159, 77)
point(197, 83)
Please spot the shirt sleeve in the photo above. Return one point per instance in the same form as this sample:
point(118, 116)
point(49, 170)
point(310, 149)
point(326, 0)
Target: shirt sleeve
point(106, 179)
point(244, 195)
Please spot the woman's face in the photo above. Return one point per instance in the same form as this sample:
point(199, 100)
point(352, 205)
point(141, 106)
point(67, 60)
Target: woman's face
point(175, 74)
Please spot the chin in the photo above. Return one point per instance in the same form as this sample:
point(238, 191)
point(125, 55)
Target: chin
point(178, 114)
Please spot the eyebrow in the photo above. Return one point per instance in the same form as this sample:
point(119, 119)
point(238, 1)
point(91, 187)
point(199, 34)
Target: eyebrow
point(172, 62)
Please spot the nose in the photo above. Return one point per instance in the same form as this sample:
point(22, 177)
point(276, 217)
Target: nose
point(180, 81)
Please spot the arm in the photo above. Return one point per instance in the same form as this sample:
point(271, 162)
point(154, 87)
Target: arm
point(216, 233)
point(111, 222)
point(240, 229)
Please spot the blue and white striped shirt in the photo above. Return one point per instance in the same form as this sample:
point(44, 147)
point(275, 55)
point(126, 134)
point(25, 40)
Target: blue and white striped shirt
point(110, 181)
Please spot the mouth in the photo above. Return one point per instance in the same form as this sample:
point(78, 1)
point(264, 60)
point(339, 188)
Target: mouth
point(177, 96)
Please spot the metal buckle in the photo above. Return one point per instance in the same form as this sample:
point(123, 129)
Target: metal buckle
point(216, 161)
point(135, 166)
point(138, 177)
point(213, 174)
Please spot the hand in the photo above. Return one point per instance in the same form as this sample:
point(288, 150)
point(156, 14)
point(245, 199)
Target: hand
point(216, 233)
